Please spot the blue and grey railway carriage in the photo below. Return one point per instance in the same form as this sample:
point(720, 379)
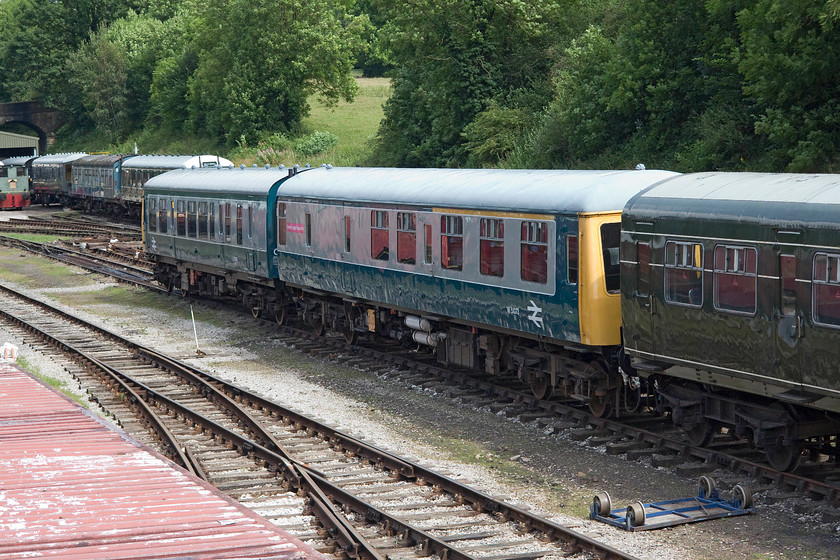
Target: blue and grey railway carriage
point(96, 183)
point(51, 177)
point(137, 170)
point(493, 270)
point(731, 303)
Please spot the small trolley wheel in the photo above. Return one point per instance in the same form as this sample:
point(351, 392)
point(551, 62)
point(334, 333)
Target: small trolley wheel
point(707, 487)
point(602, 504)
point(636, 514)
point(742, 496)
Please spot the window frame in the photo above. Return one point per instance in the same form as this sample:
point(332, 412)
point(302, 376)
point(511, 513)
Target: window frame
point(534, 238)
point(452, 237)
point(818, 283)
point(491, 236)
point(180, 218)
point(282, 219)
point(683, 265)
point(735, 264)
point(151, 214)
point(407, 235)
point(379, 230)
point(642, 272)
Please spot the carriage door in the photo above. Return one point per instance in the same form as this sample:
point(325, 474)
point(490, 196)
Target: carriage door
point(788, 318)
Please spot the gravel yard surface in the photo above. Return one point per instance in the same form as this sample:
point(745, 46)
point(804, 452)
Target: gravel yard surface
point(528, 464)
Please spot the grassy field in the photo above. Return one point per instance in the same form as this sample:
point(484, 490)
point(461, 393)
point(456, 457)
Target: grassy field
point(354, 123)
point(19, 267)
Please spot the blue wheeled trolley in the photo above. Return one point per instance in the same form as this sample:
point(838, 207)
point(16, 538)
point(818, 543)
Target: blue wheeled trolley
point(707, 505)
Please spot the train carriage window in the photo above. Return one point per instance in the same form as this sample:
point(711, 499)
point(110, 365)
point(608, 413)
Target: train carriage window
point(826, 277)
point(452, 242)
point(735, 279)
point(227, 222)
point(180, 219)
point(787, 281)
point(534, 252)
point(347, 230)
point(684, 273)
point(308, 229)
point(281, 223)
point(239, 219)
point(492, 247)
point(610, 238)
point(202, 220)
point(152, 214)
point(427, 243)
point(250, 221)
point(212, 219)
point(192, 220)
point(162, 216)
point(572, 259)
point(406, 238)
point(379, 234)
point(643, 269)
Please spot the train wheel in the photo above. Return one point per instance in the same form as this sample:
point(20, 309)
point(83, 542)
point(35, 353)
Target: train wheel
point(601, 406)
point(348, 329)
point(601, 399)
point(255, 311)
point(783, 458)
point(541, 386)
point(320, 328)
point(701, 433)
point(281, 314)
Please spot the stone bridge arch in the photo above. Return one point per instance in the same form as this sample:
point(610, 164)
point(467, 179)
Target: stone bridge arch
point(33, 114)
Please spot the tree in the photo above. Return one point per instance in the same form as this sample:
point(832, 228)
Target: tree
point(258, 61)
point(453, 58)
point(791, 67)
point(113, 72)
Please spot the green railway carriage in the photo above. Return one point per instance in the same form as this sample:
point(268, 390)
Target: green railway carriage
point(731, 301)
point(489, 269)
point(212, 230)
point(137, 170)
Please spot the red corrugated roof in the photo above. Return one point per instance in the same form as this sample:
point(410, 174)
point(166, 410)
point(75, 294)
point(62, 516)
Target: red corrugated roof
point(73, 488)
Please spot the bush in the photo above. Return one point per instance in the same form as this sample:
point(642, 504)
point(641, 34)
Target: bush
point(317, 143)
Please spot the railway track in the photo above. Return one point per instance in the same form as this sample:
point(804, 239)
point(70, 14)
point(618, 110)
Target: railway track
point(639, 437)
point(69, 228)
point(368, 502)
point(113, 264)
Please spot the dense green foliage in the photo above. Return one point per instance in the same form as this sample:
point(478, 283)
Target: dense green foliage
point(685, 85)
